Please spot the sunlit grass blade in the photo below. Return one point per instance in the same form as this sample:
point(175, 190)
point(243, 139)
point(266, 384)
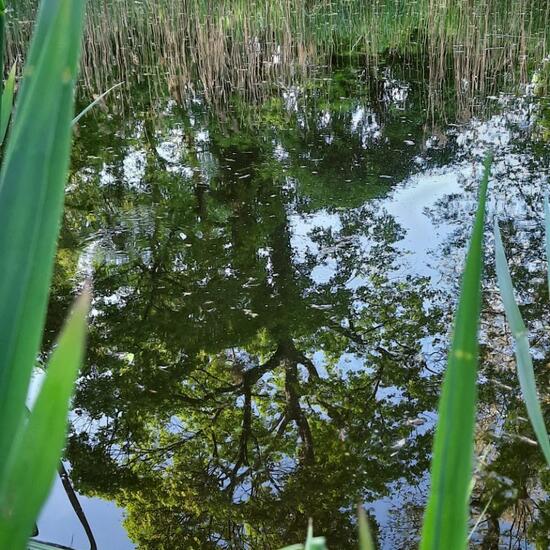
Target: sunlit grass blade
point(34, 459)
point(479, 520)
point(525, 371)
point(314, 543)
point(7, 103)
point(365, 537)
point(32, 182)
point(446, 518)
point(95, 102)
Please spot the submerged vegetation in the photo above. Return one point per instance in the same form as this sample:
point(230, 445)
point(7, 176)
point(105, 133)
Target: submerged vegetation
point(270, 321)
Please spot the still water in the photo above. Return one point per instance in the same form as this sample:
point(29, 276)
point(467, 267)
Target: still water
point(275, 265)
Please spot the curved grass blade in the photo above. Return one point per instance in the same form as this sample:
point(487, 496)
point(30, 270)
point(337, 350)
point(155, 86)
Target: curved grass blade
point(32, 182)
point(7, 103)
point(525, 371)
point(34, 459)
point(314, 543)
point(95, 102)
point(446, 519)
point(479, 520)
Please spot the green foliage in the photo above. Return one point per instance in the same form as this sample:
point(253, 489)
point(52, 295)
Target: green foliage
point(32, 181)
point(312, 542)
point(525, 370)
point(365, 537)
point(7, 104)
point(180, 350)
point(38, 446)
point(446, 519)
point(95, 102)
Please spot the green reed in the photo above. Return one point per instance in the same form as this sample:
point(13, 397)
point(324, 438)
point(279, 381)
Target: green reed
point(248, 46)
point(218, 39)
point(32, 183)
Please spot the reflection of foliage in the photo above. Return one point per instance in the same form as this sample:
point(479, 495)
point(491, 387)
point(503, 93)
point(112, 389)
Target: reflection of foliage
point(541, 89)
point(512, 481)
point(255, 359)
point(218, 403)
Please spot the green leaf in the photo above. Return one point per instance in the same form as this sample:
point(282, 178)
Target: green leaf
point(35, 456)
point(446, 518)
point(95, 102)
point(365, 538)
point(314, 543)
point(525, 371)
point(32, 182)
point(7, 103)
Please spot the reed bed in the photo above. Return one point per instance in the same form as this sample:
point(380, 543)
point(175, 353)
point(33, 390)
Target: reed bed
point(253, 46)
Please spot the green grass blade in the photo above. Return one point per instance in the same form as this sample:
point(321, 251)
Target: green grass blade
point(35, 457)
point(446, 518)
point(95, 102)
point(32, 183)
point(2, 37)
point(479, 520)
point(547, 237)
point(365, 538)
point(7, 103)
point(525, 371)
point(314, 543)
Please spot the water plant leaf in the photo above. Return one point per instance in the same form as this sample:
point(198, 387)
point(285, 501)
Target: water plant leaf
point(314, 543)
point(32, 182)
point(7, 103)
point(35, 455)
point(446, 518)
point(524, 362)
point(479, 520)
point(95, 102)
point(365, 537)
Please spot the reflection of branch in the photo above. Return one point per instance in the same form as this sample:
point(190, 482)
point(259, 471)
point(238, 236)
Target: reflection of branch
point(352, 334)
point(73, 499)
point(242, 456)
point(295, 412)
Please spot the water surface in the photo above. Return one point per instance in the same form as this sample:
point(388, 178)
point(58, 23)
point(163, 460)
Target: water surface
point(276, 256)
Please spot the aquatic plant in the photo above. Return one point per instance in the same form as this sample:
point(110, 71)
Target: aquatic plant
point(32, 182)
point(446, 519)
point(248, 47)
point(525, 372)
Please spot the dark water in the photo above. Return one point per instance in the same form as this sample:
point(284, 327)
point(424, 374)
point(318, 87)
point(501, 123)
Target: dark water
point(274, 285)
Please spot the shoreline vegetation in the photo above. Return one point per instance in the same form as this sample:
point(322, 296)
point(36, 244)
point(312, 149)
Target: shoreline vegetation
point(251, 47)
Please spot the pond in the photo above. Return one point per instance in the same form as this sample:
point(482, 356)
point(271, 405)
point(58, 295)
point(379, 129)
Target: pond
point(274, 209)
